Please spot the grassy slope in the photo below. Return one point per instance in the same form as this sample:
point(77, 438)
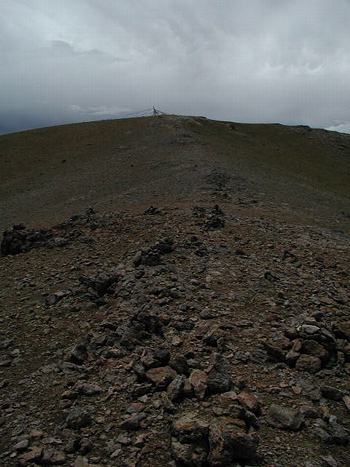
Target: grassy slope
point(47, 149)
point(316, 158)
point(62, 170)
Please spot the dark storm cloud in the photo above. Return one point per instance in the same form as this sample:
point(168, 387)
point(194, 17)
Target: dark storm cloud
point(248, 60)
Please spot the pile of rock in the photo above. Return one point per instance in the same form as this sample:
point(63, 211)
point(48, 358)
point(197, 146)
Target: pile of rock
point(312, 345)
point(182, 351)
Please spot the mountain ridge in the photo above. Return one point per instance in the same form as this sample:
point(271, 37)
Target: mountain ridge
point(73, 167)
point(179, 296)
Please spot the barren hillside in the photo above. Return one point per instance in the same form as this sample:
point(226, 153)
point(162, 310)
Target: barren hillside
point(178, 295)
point(52, 173)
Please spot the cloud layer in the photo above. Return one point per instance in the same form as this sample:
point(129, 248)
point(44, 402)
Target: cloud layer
point(281, 61)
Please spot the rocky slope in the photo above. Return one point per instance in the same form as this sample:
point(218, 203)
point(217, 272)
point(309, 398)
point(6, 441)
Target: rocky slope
point(208, 329)
point(50, 174)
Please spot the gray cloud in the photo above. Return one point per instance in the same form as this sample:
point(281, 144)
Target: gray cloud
point(281, 61)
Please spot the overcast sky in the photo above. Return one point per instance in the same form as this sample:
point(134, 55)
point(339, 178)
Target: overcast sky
point(285, 61)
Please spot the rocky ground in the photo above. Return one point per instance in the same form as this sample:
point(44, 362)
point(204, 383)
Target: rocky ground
point(196, 334)
point(198, 315)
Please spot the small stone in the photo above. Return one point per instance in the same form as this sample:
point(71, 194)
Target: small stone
point(7, 362)
point(34, 455)
point(285, 418)
point(132, 423)
point(190, 428)
point(115, 453)
point(51, 441)
point(52, 457)
point(310, 411)
point(332, 393)
point(218, 375)
point(309, 329)
point(4, 383)
point(70, 395)
point(297, 345)
point(331, 433)
point(342, 330)
point(180, 365)
point(5, 344)
point(228, 444)
point(140, 440)
point(135, 407)
point(167, 404)
point(175, 388)
point(227, 400)
point(78, 354)
point(103, 281)
point(149, 361)
point(34, 434)
point(81, 462)
point(177, 341)
point(78, 418)
point(250, 402)
point(114, 353)
point(329, 461)
point(139, 370)
point(188, 389)
point(140, 390)
point(277, 348)
point(72, 446)
point(189, 454)
point(198, 380)
point(22, 445)
point(292, 358)
point(346, 400)
point(308, 363)
point(312, 347)
point(124, 440)
point(207, 314)
point(161, 377)
point(163, 355)
point(88, 389)
point(85, 446)
point(212, 336)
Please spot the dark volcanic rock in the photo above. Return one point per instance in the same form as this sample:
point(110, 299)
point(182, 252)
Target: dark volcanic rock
point(286, 418)
point(161, 377)
point(190, 428)
point(153, 256)
point(308, 363)
point(20, 240)
point(78, 418)
point(101, 282)
point(78, 354)
point(189, 454)
point(228, 445)
point(218, 375)
point(331, 432)
point(198, 379)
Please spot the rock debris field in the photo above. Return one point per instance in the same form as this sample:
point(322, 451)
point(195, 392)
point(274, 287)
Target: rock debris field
point(197, 334)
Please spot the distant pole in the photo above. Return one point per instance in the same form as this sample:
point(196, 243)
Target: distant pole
point(155, 113)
